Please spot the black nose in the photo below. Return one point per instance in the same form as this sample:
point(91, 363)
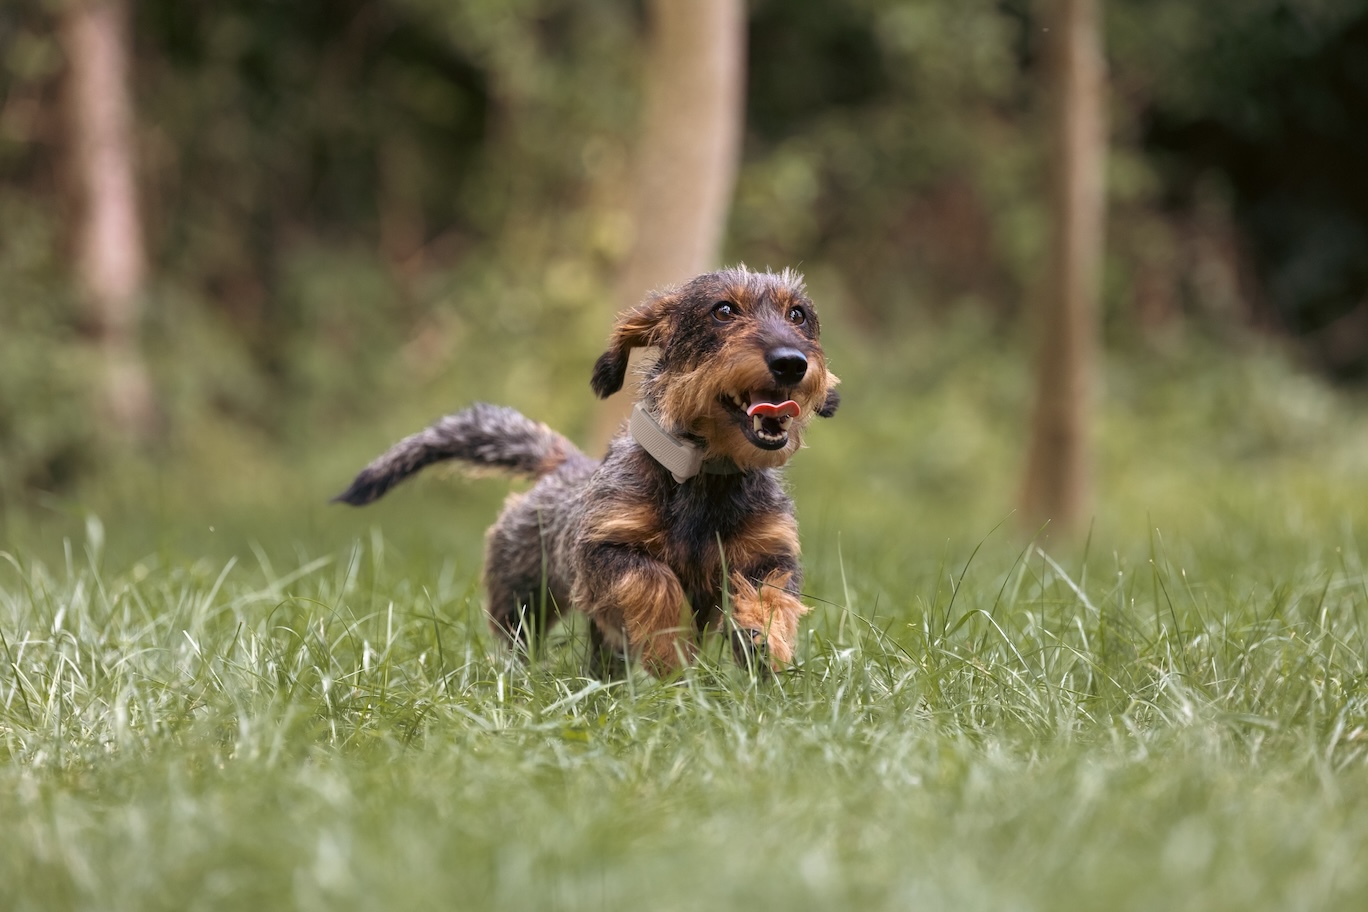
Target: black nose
point(788, 365)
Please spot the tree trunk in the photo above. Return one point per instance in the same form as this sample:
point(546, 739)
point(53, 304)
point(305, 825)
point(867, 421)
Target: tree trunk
point(1058, 484)
point(108, 237)
point(687, 155)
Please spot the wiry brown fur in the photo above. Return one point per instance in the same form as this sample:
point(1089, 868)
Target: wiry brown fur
point(651, 560)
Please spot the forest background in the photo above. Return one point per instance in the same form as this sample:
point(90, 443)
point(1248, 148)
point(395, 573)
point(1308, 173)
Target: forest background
point(359, 215)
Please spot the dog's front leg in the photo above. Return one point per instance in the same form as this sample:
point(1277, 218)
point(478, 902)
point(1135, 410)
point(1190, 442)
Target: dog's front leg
point(631, 595)
point(765, 616)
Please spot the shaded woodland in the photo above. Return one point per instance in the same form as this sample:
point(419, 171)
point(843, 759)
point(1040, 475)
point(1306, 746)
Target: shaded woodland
point(339, 202)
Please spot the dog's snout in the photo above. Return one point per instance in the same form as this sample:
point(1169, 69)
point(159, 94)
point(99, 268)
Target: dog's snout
point(788, 365)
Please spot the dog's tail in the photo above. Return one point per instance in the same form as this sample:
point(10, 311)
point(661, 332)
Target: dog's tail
point(483, 436)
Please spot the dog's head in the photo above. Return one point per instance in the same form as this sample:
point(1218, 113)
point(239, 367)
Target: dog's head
point(741, 366)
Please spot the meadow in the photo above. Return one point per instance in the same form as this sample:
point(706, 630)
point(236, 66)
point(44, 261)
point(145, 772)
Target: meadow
point(219, 692)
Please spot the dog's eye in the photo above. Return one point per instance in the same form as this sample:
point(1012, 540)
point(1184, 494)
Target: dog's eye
point(797, 316)
point(724, 312)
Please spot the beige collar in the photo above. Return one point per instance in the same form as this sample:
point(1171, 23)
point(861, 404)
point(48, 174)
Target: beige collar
point(683, 459)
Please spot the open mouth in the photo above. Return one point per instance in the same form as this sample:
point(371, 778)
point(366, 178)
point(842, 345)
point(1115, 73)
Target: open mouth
point(764, 416)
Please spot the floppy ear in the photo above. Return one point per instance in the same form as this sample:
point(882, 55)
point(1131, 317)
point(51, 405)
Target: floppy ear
point(639, 327)
point(833, 400)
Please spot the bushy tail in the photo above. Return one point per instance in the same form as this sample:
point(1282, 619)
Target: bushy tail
point(485, 436)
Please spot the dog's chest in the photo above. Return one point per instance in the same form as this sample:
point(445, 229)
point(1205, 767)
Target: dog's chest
point(702, 524)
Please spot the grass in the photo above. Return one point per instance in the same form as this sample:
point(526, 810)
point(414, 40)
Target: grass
point(216, 703)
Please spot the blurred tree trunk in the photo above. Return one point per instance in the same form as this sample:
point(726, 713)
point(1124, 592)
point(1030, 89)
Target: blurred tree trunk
point(108, 237)
point(1058, 483)
point(686, 156)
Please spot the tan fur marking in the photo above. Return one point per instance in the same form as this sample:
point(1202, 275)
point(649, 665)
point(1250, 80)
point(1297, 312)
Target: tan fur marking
point(642, 325)
point(552, 460)
point(763, 534)
point(769, 613)
point(625, 524)
point(652, 601)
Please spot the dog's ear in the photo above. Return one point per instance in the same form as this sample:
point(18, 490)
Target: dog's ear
point(833, 401)
point(639, 327)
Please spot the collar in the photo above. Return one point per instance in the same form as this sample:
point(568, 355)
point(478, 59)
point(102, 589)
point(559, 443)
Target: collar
point(683, 459)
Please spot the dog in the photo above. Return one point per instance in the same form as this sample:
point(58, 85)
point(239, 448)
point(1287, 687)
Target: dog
point(684, 525)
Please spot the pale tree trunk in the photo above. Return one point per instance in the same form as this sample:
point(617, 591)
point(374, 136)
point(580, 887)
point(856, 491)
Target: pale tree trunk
point(687, 154)
point(108, 230)
point(1058, 485)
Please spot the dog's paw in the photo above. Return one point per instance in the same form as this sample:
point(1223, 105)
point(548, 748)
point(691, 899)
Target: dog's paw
point(752, 650)
point(606, 663)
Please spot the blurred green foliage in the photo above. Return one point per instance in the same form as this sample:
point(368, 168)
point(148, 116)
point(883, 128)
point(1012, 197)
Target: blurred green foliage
point(44, 380)
point(370, 211)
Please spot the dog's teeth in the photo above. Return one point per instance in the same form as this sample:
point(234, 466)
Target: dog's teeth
point(756, 422)
point(785, 422)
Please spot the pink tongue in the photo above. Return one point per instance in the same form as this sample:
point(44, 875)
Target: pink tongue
point(787, 409)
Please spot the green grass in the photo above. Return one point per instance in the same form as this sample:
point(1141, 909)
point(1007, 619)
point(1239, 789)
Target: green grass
point(215, 702)
point(345, 734)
